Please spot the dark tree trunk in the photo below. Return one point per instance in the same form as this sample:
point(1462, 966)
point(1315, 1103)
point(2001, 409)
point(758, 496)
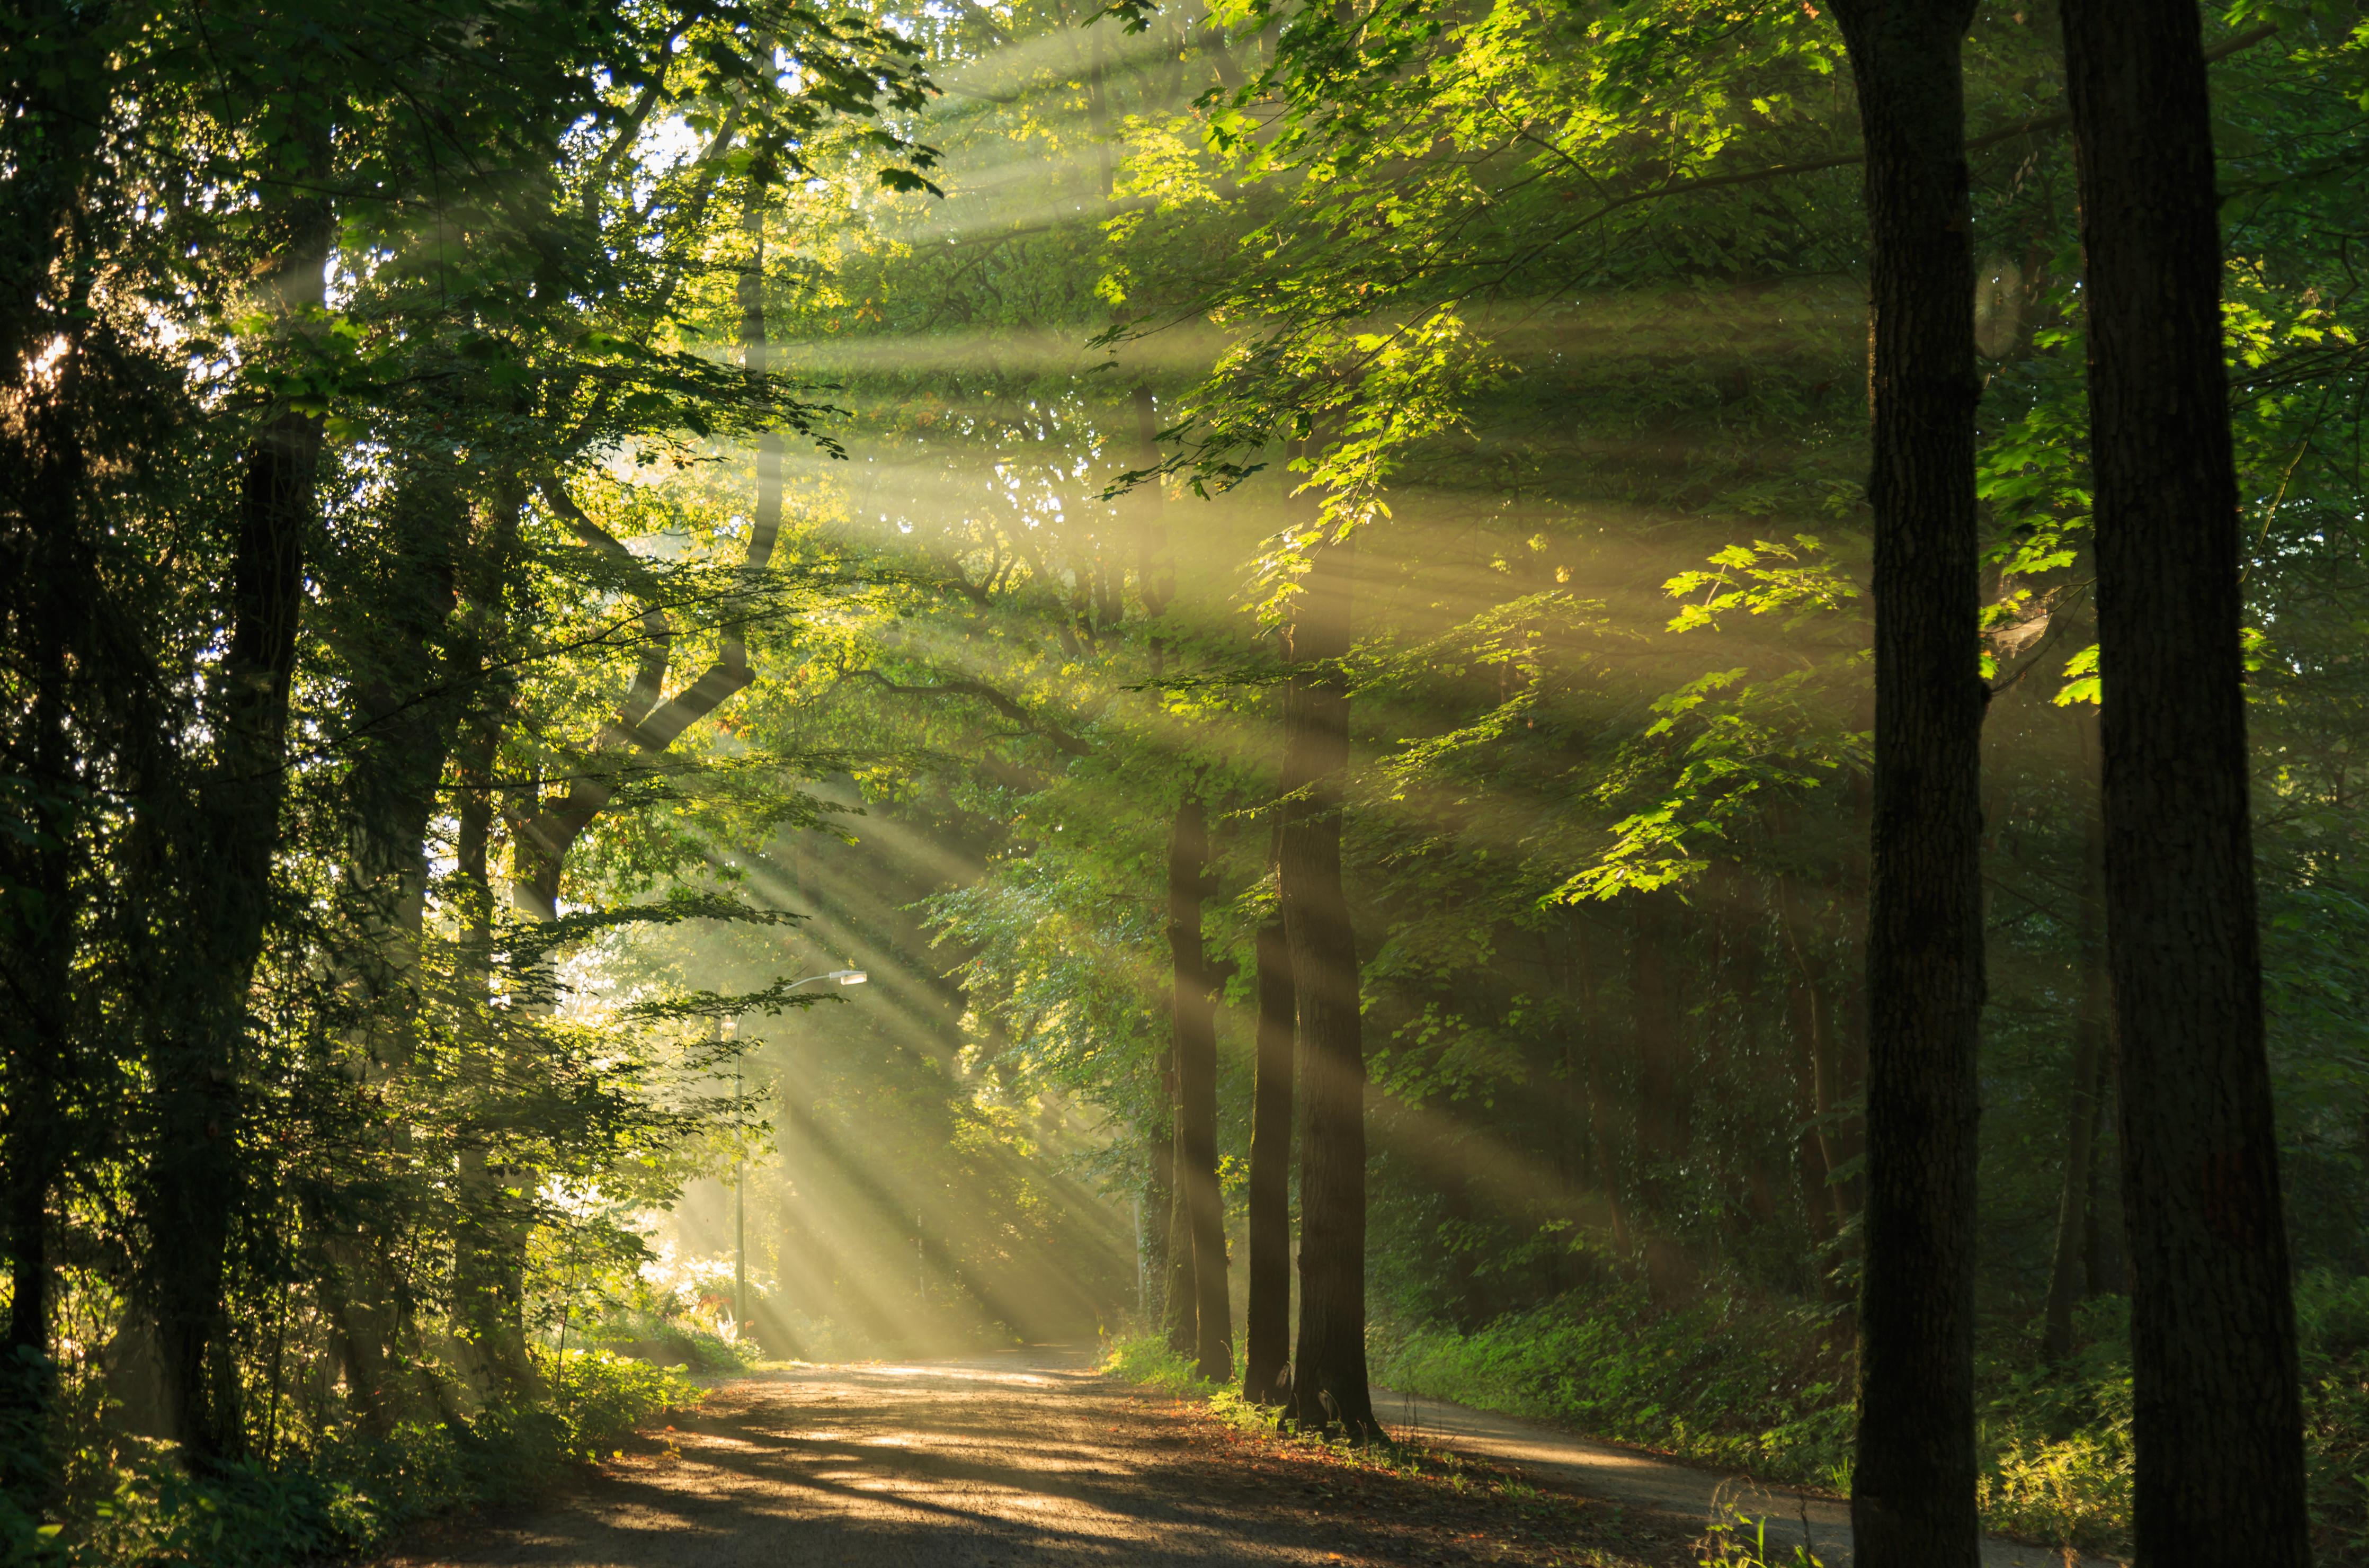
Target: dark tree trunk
point(2101, 1243)
point(489, 1240)
point(1196, 1092)
point(1266, 1321)
point(1912, 1490)
point(194, 1185)
point(49, 616)
point(2216, 1414)
point(2067, 1281)
point(1662, 1111)
point(1607, 1119)
point(1329, 1372)
point(1806, 1004)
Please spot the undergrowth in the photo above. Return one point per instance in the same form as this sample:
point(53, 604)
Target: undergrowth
point(129, 1504)
point(1763, 1387)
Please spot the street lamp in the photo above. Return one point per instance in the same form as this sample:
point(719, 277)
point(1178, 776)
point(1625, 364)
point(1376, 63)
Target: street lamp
point(740, 1172)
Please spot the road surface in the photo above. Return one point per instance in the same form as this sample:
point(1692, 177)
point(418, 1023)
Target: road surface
point(1034, 1458)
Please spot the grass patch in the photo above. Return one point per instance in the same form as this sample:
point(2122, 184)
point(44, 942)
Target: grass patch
point(1724, 1381)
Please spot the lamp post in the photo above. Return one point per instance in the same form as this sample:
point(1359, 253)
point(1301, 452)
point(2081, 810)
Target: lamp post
point(740, 1171)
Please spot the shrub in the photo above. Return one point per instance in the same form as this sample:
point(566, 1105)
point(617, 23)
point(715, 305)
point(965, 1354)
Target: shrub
point(353, 1492)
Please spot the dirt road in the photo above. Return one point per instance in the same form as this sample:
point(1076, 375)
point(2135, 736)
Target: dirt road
point(1019, 1461)
point(1034, 1458)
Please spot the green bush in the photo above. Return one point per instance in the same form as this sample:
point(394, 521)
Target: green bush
point(1761, 1388)
point(353, 1492)
point(1150, 1362)
point(1724, 1380)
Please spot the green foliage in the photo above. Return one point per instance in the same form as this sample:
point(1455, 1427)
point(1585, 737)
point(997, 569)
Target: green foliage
point(1148, 1361)
point(1724, 1380)
point(1746, 1385)
point(355, 1492)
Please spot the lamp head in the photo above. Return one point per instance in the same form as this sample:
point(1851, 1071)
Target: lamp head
point(850, 976)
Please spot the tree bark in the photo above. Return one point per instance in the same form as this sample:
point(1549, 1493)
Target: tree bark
point(48, 611)
point(1196, 1092)
point(2217, 1412)
point(48, 615)
point(2067, 1281)
point(1912, 1490)
point(194, 1183)
point(1159, 1206)
point(1266, 1320)
point(649, 721)
point(1329, 1382)
point(1183, 1302)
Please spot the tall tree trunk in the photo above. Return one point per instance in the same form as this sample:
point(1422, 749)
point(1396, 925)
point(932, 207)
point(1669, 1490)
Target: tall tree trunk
point(1266, 1320)
point(1661, 1086)
point(1912, 1490)
point(1813, 1028)
point(1329, 1373)
point(649, 721)
point(1098, 112)
point(490, 1234)
point(391, 617)
point(50, 598)
point(1183, 1300)
point(2217, 1412)
point(2067, 1281)
point(1159, 1205)
point(49, 612)
point(1194, 1014)
point(193, 1187)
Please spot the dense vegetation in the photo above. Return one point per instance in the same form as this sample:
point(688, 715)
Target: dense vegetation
point(1296, 586)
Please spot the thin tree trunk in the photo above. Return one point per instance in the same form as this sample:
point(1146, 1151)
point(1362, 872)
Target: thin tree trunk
point(1197, 1090)
point(2066, 1284)
point(1155, 563)
point(1184, 1303)
point(1266, 1320)
point(2216, 1412)
point(1606, 1126)
point(649, 721)
point(1661, 1110)
point(1098, 114)
point(1159, 1208)
point(1329, 1374)
point(1913, 1490)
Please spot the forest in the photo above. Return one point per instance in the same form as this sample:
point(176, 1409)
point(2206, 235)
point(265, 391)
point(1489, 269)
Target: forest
point(1705, 655)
